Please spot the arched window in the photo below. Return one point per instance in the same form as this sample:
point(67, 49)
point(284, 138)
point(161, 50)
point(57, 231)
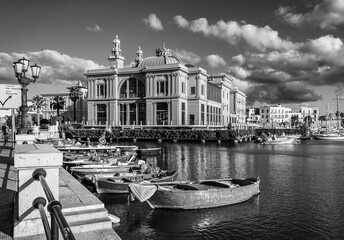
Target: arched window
point(132, 88)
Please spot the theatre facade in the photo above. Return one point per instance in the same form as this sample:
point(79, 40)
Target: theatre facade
point(160, 90)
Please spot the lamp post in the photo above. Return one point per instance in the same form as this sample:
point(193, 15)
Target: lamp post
point(76, 93)
point(20, 69)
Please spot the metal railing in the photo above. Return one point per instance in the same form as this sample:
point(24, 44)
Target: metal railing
point(58, 221)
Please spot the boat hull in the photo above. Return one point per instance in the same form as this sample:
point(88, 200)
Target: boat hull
point(332, 138)
point(210, 198)
point(284, 141)
point(106, 185)
point(82, 171)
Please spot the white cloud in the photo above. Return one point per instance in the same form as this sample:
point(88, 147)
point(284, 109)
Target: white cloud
point(57, 68)
point(94, 28)
point(182, 22)
point(153, 22)
point(239, 59)
point(239, 72)
point(187, 57)
point(215, 61)
point(326, 14)
point(260, 38)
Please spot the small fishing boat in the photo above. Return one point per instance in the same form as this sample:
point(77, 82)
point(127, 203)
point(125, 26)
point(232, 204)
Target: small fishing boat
point(73, 160)
point(149, 151)
point(196, 195)
point(281, 141)
point(334, 136)
point(83, 170)
point(119, 184)
point(96, 148)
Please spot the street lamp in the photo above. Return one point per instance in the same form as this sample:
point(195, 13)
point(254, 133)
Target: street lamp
point(76, 93)
point(20, 69)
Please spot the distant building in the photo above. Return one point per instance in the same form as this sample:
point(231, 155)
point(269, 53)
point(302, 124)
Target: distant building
point(160, 90)
point(313, 112)
point(238, 107)
point(49, 113)
point(274, 114)
point(253, 115)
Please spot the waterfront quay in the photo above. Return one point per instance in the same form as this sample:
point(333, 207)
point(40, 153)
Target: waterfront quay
point(84, 212)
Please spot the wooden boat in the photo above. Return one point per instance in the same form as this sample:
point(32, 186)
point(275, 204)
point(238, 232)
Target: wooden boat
point(330, 136)
point(83, 170)
point(202, 194)
point(149, 151)
point(77, 160)
point(281, 141)
point(119, 184)
point(96, 148)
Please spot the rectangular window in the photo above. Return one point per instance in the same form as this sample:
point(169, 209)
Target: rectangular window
point(183, 87)
point(202, 113)
point(101, 114)
point(202, 90)
point(162, 88)
point(123, 114)
point(132, 87)
point(207, 114)
point(142, 114)
point(183, 113)
point(193, 90)
point(101, 90)
point(132, 113)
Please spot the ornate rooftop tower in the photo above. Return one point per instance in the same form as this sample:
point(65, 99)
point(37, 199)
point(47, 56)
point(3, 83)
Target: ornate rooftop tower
point(163, 51)
point(116, 59)
point(139, 55)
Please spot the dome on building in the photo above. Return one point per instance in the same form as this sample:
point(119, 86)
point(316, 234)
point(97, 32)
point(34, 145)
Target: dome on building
point(163, 57)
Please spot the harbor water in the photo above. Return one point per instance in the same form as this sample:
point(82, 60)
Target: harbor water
point(302, 194)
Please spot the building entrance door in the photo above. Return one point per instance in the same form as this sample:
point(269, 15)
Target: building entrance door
point(161, 113)
point(192, 119)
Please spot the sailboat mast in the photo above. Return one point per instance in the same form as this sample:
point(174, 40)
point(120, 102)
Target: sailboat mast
point(337, 113)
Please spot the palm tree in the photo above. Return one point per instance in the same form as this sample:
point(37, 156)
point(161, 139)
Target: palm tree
point(37, 104)
point(57, 102)
point(308, 120)
point(322, 119)
point(294, 120)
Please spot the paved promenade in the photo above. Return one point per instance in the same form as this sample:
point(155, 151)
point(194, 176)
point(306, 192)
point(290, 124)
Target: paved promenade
point(8, 189)
point(72, 195)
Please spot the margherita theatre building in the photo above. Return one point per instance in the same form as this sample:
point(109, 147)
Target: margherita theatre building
point(159, 90)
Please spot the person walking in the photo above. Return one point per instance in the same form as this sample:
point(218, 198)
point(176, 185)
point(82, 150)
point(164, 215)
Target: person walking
point(5, 130)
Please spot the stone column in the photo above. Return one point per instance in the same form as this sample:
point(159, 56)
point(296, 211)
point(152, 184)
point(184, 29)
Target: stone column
point(28, 158)
point(169, 81)
point(127, 107)
point(169, 112)
point(107, 87)
point(95, 114)
point(175, 75)
point(197, 78)
point(154, 114)
point(94, 88)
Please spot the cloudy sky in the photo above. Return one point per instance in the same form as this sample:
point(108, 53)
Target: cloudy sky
point(280, 51)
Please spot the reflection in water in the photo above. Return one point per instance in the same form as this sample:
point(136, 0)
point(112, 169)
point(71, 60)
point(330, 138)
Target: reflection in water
point(204, 223)
point(301, 196)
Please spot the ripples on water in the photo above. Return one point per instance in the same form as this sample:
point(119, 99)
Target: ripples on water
point(302, 195)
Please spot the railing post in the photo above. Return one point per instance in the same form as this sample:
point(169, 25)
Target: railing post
point(27, 158)
point(39, 203)
point(55, 209)
point(54, 227)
